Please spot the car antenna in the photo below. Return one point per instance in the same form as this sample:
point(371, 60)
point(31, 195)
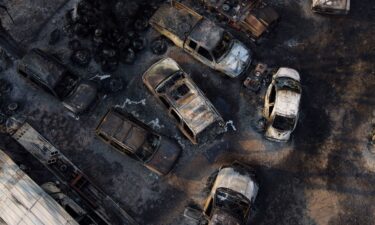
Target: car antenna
point(6, 10)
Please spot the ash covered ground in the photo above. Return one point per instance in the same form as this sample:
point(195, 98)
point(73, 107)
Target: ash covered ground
point(324, 175)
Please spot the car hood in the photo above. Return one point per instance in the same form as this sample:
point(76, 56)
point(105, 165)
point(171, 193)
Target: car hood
point(165, 157)
point(237, 60)
point(287, 72)
point(81, 98)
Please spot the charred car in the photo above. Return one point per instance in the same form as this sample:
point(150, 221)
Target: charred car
point(232, 195)
point(331, 6)
point(48, 73)
point(130, 136)
point(281, 107)
point(253, 17)
point(201, 38)
point(185, 102)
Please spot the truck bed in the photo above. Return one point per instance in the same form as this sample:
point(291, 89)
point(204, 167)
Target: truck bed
point(176, 19)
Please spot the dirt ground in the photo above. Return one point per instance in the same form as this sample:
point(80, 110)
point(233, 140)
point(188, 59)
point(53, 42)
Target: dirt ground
point(324, 176)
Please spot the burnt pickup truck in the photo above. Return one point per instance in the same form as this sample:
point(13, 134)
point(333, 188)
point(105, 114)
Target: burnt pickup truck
point(130, 136)
point(202, 38)
point(184, 101)
point(48, 74)
point(331, 6)
point(253, 17)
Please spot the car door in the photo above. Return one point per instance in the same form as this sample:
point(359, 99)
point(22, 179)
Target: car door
point(270, 101)
point(205, 56)
point(190, 46)
point(199, 53)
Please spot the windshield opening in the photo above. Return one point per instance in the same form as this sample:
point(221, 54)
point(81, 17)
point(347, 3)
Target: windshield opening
point(223, 47)
point(283, 123)
point(66, 85)
point(231, 201)
point(169, 82)
point(286, 83)
point(148, 148)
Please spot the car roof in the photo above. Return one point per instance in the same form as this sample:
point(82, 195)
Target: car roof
point(44, 67)
point(82, 97)
point(287, 102)
point(232, 179)
point(194, 108)
point(123, 131)
point(207, 34)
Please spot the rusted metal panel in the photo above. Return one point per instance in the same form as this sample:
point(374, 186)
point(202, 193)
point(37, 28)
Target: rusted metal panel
point(252, 23)
point(22, 201)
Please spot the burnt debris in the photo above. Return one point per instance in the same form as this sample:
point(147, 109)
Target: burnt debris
point(81, 57)
point(114, 28)
point(54, 37)
point(4, 60)
point(159, 45)
point(8, 107)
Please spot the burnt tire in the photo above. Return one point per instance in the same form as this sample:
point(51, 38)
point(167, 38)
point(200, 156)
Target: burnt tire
point(159, 46)
point(141, 24)
point(113, 85)
point(139, 44)
point(128, 56)
point(81, 57)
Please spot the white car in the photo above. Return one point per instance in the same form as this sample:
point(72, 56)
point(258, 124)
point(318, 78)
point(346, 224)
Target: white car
point(281, 107)
point(232, 195)
point(331, 6)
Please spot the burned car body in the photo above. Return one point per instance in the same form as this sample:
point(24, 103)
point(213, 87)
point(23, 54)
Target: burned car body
point(201, 38)
point(282, 101)
point(331, 6)
point(130, 136)
point(253, 17)
point(47, 73)
point(232, 195)
point(185, 102)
